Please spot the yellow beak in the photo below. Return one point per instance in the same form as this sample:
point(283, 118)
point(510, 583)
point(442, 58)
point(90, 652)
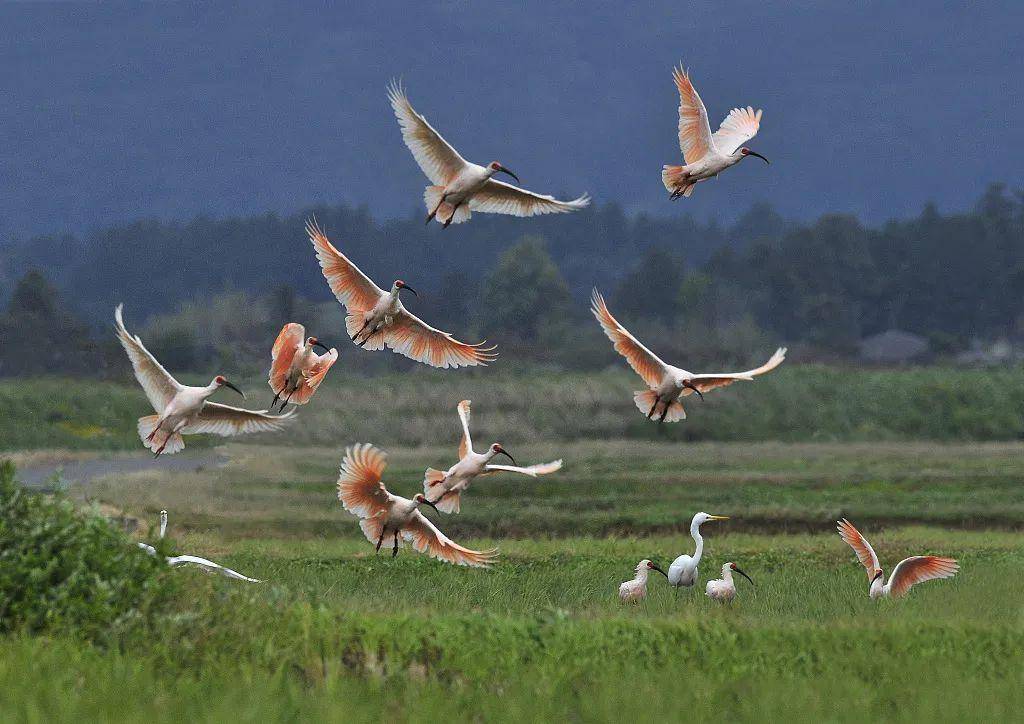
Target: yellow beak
point(717, 517)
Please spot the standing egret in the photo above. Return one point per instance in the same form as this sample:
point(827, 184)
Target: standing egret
point(706, 154)
point(183, 410)
point(667, 383)
point(297, 370)
point(683, 571)
point(460, 187)
point(724, 589)
point(907, 572)
point(362, 493)
point(444, 488)
point(636, 589)
point(380, 319)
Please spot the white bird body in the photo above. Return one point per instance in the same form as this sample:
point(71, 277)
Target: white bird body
point(185, 560)
point(460, 187)
point(182, 409)
point(296, 369)
point(707, 154)
point(683, 571)
point(907, 573)
point(445, 489)
point(383, 514)
point(635, 590)
point(724, 588)
point(666, 383)
point(377, 318)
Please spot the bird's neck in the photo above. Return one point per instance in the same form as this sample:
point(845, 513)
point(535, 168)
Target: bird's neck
point(641, 575)
point(727, 575)
point(699, 539)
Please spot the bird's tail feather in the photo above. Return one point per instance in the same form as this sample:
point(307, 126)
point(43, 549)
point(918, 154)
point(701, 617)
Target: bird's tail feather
point(431, 478)
point(644, 400)
point(170, 443)
point(676, 181)
point(450, 503)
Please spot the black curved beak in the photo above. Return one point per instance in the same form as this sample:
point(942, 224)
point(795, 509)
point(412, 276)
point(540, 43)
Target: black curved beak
point(693, 387)
point(509, 457)
point(406, 286)
point(427, 502)
point(228, 384)
point(505, 170)
point(744, 575)
point(322, 346)
point(755, 153)
point(658, 569)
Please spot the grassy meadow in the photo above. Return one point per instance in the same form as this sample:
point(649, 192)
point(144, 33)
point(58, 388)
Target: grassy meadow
point(336, 633)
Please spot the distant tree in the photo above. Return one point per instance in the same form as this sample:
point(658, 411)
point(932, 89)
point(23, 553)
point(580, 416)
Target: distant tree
point(524, 293)
point(40, 336)
point(651, 289)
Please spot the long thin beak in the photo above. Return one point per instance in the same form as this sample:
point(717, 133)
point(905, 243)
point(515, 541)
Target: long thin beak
point(228, 384)
point(755, 153)
point(658, 569)
point(322, 346)
point(718, 517)
point(744, 575)
point(409, 288)
point(509, 457)
point(693, 387)
point(427, 502)
point(505, 170)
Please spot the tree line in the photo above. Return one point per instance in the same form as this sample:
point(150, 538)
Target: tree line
point(211, 292)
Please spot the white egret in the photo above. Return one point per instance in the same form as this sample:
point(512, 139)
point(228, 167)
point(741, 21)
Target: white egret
point(683, 571)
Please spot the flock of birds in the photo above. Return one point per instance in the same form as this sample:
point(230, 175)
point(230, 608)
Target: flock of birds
point(377, 318)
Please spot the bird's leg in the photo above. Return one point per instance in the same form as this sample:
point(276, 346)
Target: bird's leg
point(273, 402)
point(394, 551)
point(432, 214)
point(447, 223)
point(653, 407)
point(285, 403)
point(356, 335)
point(380, 540)
point(664, 411)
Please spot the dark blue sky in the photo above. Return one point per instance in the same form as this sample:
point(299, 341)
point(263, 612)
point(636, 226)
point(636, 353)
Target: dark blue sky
point(110, 112)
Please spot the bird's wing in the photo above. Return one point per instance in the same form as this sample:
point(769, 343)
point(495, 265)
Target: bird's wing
point(218, 419)
point(497, 197)
point(288, 341)
point(694, 131)
point(146, 547)
point(438, 160)
point(316, 373)
point(360, 488)
point(865, 553)
point(426, 538)
point(466, 445)
point(352, 288)
point(210, 566)
point(410, 336)
point(738, 127)
point(532, 470)
point(722, 379)
point(157, 382)
point(643, 361)
point(917, 569)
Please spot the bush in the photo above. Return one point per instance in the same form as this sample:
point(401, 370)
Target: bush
point(62, 569)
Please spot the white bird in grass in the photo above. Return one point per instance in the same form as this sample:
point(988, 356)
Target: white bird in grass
point(183, 410)
point(724, 589)
point(635, 590)
point(380, 318)
point(444, 488)
point(667, 383)
point(187, 560)
point(460, 187)
point(296, 370)
point(362, 493)
point(706, 154)
point(907, 572)
point(683, 571)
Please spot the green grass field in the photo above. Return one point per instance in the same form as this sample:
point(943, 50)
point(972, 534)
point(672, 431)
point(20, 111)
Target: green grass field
point(337, 633)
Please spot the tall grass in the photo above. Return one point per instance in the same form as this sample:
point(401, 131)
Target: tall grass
point(795, 403)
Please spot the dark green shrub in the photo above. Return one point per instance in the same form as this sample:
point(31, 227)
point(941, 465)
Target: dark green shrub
point(63, 569)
